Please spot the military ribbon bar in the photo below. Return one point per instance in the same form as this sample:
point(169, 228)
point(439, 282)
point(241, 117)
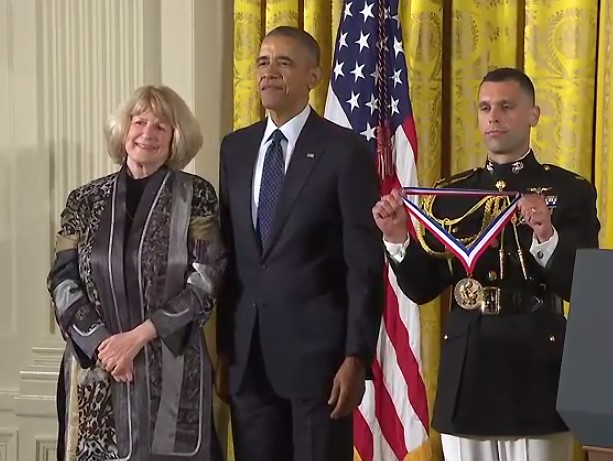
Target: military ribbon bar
point(468, 256)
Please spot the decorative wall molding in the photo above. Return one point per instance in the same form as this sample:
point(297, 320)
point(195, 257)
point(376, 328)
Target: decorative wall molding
point(38, 383)
point(8, 444)
point(45, 448)
point(7, 400)
point(47, 357)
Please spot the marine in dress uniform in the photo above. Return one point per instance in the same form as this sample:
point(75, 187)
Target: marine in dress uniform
point(503, 341)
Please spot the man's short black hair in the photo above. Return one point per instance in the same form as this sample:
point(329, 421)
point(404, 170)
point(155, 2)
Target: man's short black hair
point(506, 74)
point(301, 36)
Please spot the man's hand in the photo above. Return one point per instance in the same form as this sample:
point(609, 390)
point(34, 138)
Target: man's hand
point(222, 379)
point(391, 217)
point(537, 215)
point(348, 388)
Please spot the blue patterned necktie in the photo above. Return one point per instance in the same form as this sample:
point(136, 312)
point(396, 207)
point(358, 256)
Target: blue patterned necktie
point(270, 186)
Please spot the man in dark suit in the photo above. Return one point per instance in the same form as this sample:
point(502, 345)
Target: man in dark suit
point(300, 311)
point(504, 334)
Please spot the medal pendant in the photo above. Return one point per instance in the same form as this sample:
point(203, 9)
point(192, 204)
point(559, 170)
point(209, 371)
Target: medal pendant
point(469, 294)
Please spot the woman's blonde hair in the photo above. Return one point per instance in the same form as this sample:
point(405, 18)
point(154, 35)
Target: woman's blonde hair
point(169, 107)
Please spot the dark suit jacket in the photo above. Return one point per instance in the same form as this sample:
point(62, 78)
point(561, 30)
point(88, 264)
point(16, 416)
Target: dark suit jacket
point(316, 290)
point(498, 374)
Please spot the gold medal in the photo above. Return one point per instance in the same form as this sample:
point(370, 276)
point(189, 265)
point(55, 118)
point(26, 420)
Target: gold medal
point(468, 293)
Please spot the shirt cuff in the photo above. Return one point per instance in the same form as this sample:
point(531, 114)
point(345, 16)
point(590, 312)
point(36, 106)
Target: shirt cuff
point(542, 251)
point(397, 250)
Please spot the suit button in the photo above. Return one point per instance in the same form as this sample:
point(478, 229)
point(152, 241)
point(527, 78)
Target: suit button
point(446, 337)
point(263, 266)
point(254, 305)
point(552, 338)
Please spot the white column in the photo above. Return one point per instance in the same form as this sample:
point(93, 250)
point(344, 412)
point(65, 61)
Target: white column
point(196, 44)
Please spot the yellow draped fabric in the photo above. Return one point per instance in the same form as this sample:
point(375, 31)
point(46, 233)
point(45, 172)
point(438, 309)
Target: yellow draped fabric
point(603, 144)
point(565, 46)
point(484, 36)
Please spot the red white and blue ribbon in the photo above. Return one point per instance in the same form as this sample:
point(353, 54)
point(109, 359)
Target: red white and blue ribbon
point(468, 256)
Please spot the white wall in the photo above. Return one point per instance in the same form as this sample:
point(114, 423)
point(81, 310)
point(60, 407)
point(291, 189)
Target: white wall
point(64, 66)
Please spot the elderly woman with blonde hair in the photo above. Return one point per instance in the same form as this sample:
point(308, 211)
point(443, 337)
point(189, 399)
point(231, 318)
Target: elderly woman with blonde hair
point(138, 259)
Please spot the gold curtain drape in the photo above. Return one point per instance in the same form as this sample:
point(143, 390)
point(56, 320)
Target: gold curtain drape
point(565, 46)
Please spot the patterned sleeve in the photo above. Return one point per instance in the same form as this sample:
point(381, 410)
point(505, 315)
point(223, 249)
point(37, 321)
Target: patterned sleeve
point(192, 307)
point(76, 317)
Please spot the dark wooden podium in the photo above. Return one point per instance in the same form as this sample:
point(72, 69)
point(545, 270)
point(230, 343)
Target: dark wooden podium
point(585, 394)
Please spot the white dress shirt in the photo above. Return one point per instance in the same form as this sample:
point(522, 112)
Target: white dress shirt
point(291, 130)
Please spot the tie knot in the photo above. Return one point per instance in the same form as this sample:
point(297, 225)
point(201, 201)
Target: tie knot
point(277, 136)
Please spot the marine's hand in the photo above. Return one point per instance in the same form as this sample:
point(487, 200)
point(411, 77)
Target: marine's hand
point(537, 215)
point(391, 217)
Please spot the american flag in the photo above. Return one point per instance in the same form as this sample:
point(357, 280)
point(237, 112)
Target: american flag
point(369, 93)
